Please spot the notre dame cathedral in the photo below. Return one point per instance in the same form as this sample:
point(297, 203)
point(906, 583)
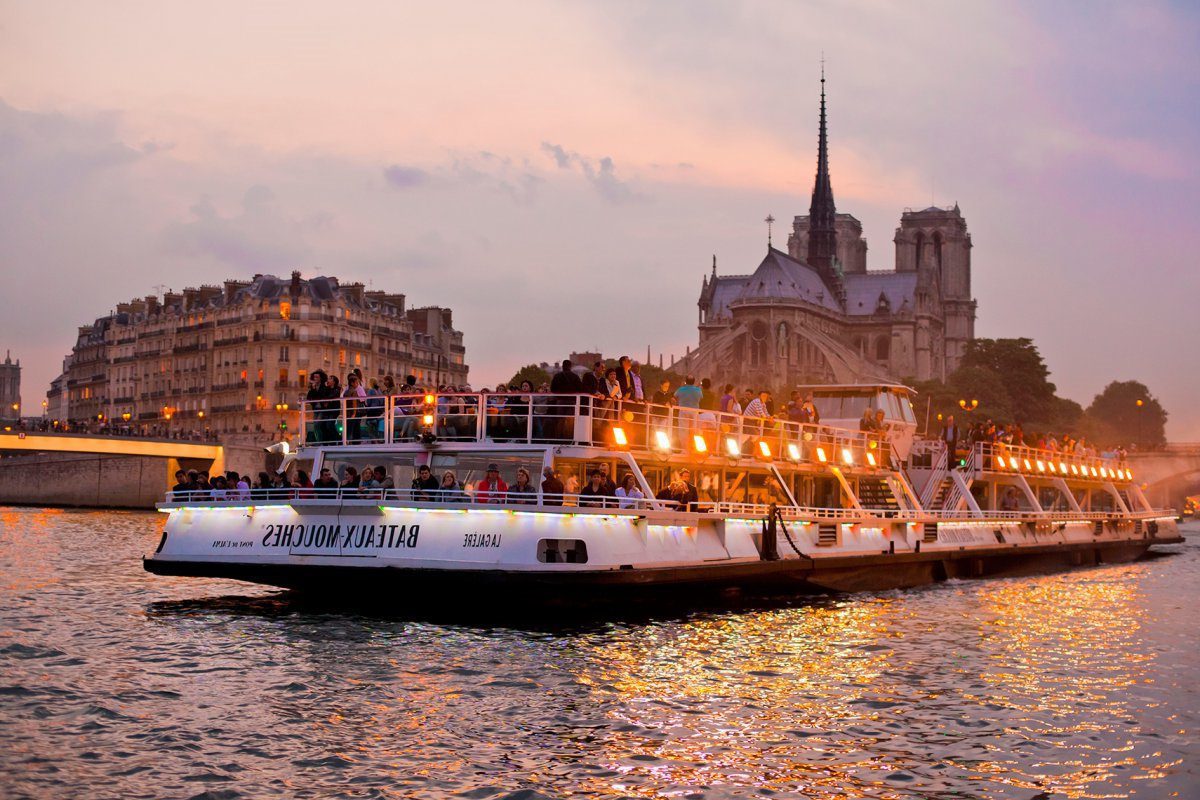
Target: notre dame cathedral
point(815, 314)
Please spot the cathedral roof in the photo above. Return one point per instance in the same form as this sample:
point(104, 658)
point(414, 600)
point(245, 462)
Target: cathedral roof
point(783, 277)
point(863, 291)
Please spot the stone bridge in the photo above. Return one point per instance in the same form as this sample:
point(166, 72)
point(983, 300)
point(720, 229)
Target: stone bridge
point(1168, 475)
point(62, 469)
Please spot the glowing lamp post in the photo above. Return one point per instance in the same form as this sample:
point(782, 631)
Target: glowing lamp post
point(968, 405)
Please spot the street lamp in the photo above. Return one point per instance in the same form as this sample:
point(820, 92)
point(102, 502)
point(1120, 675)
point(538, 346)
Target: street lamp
point(968, 405)
point(281, 409)
point(1140, 405)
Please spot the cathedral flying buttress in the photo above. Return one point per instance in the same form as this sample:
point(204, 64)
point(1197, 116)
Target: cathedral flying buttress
point(816, 314)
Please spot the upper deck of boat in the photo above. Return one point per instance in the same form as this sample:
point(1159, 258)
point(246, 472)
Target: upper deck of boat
point(663, 432)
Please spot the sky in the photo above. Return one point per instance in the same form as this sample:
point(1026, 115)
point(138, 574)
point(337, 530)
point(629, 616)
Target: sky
point(561, 174)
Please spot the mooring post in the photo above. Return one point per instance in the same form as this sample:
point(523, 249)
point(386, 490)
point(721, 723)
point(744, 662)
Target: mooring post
point(770, 543)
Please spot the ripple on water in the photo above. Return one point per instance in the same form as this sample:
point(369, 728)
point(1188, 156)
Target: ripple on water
point(126, 685)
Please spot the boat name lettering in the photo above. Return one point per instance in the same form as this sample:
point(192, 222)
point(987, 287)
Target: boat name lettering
point(481, 540)
point(333, 537)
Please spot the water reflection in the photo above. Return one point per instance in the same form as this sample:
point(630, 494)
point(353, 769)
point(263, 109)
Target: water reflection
point(1070, 685)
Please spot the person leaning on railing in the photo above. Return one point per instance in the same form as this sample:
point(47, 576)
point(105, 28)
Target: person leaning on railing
point(522, 492)
point(596, 494)
point(450, 490)
point(552, 488)
point(425, 486)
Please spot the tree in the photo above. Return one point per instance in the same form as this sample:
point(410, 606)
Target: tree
point(1131, 413)
point(986, 386)
point(1023, 375)
point(532, 373)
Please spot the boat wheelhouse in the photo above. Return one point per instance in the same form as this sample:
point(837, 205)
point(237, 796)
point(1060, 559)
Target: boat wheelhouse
point(720, 502)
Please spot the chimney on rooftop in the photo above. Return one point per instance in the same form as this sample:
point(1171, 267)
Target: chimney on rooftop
point(295, 289)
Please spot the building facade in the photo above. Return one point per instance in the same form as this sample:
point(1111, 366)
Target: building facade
point(229, 358)
point(816, 314)
point(10, 388)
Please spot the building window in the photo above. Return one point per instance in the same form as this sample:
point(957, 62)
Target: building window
point(285, 310)
point(283, 376)
point(882, 349)
point(342, 356)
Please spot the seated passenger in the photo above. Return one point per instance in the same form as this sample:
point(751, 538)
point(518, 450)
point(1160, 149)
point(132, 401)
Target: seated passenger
point(424, 486)
point(179, 492)
point(596, 494)
point(384, 480)
point(218, 488)
point(552, 488)
point(628, 494)
point(326, 485)
point(352, 480)
point(367, 480)
point(522, 492)
point(450, 491)
point(492, 489)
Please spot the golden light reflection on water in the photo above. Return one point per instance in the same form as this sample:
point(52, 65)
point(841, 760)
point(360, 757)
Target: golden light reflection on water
point(1023, 687)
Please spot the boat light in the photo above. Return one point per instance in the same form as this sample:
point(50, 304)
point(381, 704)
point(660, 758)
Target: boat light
point(661, 440)
point(847, 456)
point(619, 436)
point(1129, 474)
point(871, 458)
point(1104, 472)
point(699, 443)
point(764, 449)
point(1012, 462)
point(1062, 467)
point(872, 444)
point(1027, 465)
point(429, 399)
point(1094, 473)
point(427, 420)
point(821, 455)
point(1041, 465)
point(1074, 470)
point(1053, 468)
point(793, 451)
point(732, 447)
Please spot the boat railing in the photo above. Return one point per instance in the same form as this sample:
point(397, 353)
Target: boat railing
point(479, 499)
point(581, 419)
point(1034, 462)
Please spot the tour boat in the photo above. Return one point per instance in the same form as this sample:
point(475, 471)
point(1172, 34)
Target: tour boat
point(780, 508)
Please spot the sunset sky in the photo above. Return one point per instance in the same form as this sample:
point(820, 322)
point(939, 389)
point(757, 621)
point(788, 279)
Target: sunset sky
point(561, 174)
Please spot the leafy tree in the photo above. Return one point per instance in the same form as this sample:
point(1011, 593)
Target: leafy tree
point(986, 386)
point(532, 373)
point(1023, 375)
point(1131, 413)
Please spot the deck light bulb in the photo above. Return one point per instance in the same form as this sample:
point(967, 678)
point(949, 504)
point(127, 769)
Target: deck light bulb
point(619, 436)
point(732, 447)
point(1041, 465)
point(699, 443)
point(873, 444)
point(793, 451)
point(1062, 467)
point(847, 456)
point(1012, 462)
point(821, 455)
point(1104, 472)
point(1074, 470)
point(427, 420)
point(1027, 465)
point(661, 440)
point(1094, 473)
point(764, 449)
point(871, 458)
point(429, 399)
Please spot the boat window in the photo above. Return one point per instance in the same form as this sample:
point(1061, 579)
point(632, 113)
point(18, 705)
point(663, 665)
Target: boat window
point(1102, 501)
point(400, 467)
point(1051, 499)
point(827, 493)
point(471, 468)
point(562, 551)
point(753, 486)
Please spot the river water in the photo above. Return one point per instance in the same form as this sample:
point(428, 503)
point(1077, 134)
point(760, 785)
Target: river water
point(115, 683)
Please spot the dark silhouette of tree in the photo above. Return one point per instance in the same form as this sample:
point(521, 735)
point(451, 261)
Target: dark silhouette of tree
point(1131, 413)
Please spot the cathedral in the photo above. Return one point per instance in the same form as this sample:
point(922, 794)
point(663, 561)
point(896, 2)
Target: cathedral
point(816, 314)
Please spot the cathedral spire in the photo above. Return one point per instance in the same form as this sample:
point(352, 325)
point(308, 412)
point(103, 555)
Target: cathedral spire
point(822, 214)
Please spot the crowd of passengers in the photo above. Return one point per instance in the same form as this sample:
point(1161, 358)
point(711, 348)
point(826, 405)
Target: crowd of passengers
point(957, 438)
point(358, 407)
point(599, 491)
